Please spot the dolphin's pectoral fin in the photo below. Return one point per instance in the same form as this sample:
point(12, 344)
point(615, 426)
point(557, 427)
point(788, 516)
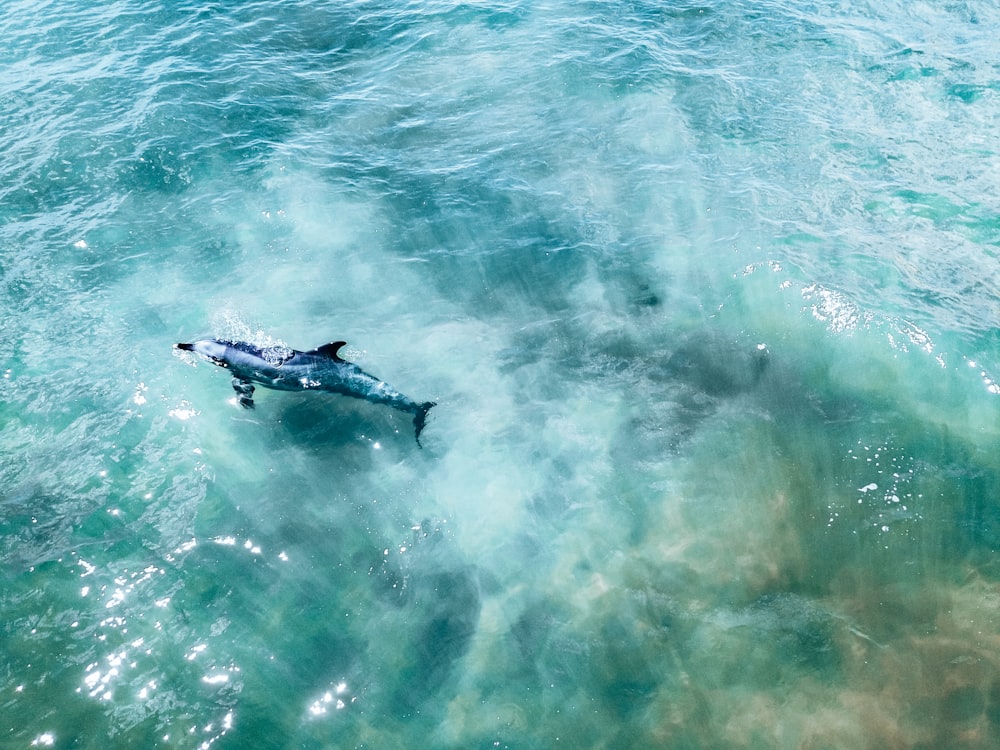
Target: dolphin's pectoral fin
point(243, 386)
point(244, 393)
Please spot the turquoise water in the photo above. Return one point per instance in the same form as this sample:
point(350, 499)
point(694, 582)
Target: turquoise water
point(706, 293)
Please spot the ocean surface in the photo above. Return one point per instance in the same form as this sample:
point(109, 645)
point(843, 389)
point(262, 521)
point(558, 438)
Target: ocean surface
point(707, 294)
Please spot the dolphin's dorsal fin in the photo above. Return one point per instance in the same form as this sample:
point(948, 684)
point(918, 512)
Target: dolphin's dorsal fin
point(329, 350)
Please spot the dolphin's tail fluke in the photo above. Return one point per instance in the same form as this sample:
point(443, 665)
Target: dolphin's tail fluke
point(421, 418)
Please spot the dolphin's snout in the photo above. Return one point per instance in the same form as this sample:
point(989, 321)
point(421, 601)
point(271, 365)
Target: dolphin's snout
point(210, 348)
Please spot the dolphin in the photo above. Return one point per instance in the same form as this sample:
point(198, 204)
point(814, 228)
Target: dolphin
point(319, 369)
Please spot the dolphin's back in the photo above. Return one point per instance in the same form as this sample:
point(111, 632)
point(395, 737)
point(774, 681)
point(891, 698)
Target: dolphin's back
point(272, 355)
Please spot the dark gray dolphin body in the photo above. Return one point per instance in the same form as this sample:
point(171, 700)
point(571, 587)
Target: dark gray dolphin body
point(319, 369)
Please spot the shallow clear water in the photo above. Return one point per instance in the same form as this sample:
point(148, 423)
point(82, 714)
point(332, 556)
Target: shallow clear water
point(706, 293)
